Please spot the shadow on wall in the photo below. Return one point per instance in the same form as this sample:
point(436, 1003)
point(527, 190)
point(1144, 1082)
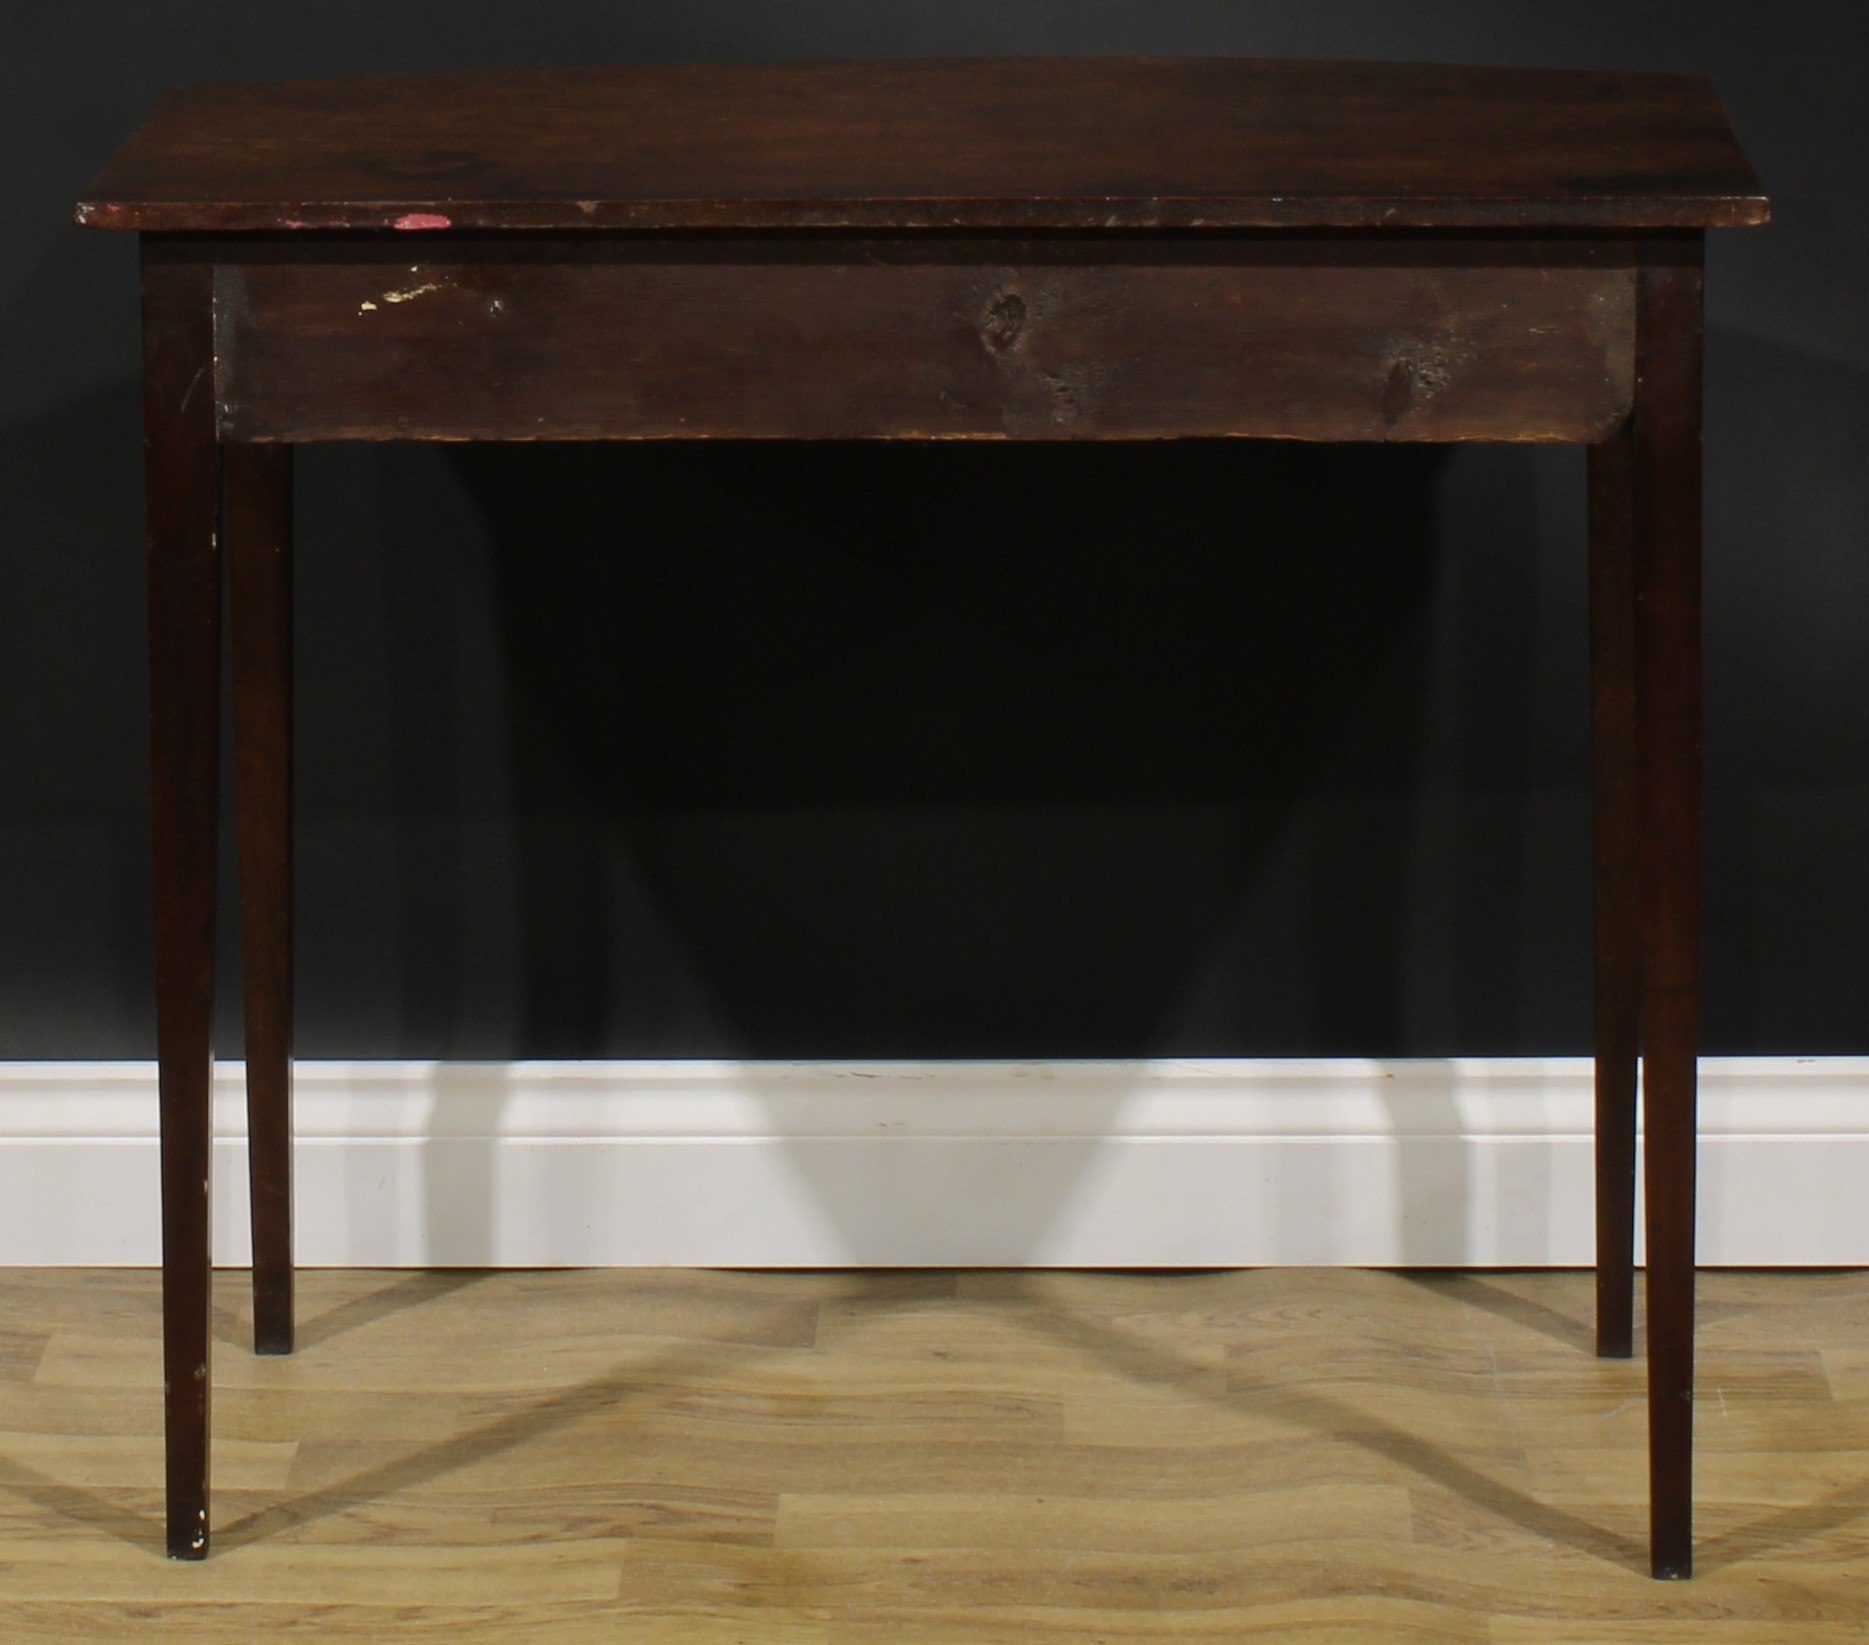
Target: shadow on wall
point(976, 1164)
point(982, 751)
point(901, 751)
point(903, 743)
point(948, 750)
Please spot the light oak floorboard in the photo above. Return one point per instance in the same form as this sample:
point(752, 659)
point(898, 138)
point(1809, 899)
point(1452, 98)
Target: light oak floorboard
point(704, 1458)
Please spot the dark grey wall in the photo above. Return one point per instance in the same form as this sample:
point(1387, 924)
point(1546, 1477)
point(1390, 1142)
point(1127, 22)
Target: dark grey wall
point(870, 751)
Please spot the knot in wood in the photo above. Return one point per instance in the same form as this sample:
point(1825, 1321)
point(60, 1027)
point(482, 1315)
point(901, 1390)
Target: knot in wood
point(1005, 319)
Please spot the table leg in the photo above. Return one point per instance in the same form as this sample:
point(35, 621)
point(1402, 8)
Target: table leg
point(1667, 467)
point(258, 487)
point(182, 506)
point(1616, 881)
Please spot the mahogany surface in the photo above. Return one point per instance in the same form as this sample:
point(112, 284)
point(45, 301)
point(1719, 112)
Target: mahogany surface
point(257, 522)
point(661, 339)
point(1666, 496)
point(1617, 884)
point(182, 498)
point(1004, 143)
point(1025, 249)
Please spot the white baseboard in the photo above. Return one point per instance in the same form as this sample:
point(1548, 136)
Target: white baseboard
point(1057, 1164)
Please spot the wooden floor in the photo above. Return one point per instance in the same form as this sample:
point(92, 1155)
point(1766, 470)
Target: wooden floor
point(703, 1458)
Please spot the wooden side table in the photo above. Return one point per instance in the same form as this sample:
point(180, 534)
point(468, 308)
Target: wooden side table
point(1008, 249)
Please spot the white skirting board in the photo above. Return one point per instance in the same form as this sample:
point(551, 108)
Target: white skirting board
point(1047, 1164)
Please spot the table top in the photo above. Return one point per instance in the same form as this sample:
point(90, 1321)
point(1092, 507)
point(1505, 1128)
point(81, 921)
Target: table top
point(997, 143)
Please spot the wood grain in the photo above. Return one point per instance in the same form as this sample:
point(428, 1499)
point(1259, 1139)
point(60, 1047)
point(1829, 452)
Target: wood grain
point(849, 1458)
point(182, 510)
point(1024, 142)
point(257, 511)
point(843, 345)
point(1615, 882)
point(1666, 461)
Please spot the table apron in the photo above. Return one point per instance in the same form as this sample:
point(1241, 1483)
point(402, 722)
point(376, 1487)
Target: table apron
point(478, 349)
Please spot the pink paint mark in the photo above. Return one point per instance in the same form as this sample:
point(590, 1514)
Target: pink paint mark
point(422, 219)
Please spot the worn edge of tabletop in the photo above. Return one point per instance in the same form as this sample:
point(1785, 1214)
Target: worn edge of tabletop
point(1732, 198)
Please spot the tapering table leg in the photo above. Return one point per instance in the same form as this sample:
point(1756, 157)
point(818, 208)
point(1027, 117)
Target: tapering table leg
point(1616, 880)
point(258, 485)
point(182, 506)
point(1667, 475)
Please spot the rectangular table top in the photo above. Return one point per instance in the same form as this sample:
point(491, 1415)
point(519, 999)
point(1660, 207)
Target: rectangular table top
point(994, 144)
